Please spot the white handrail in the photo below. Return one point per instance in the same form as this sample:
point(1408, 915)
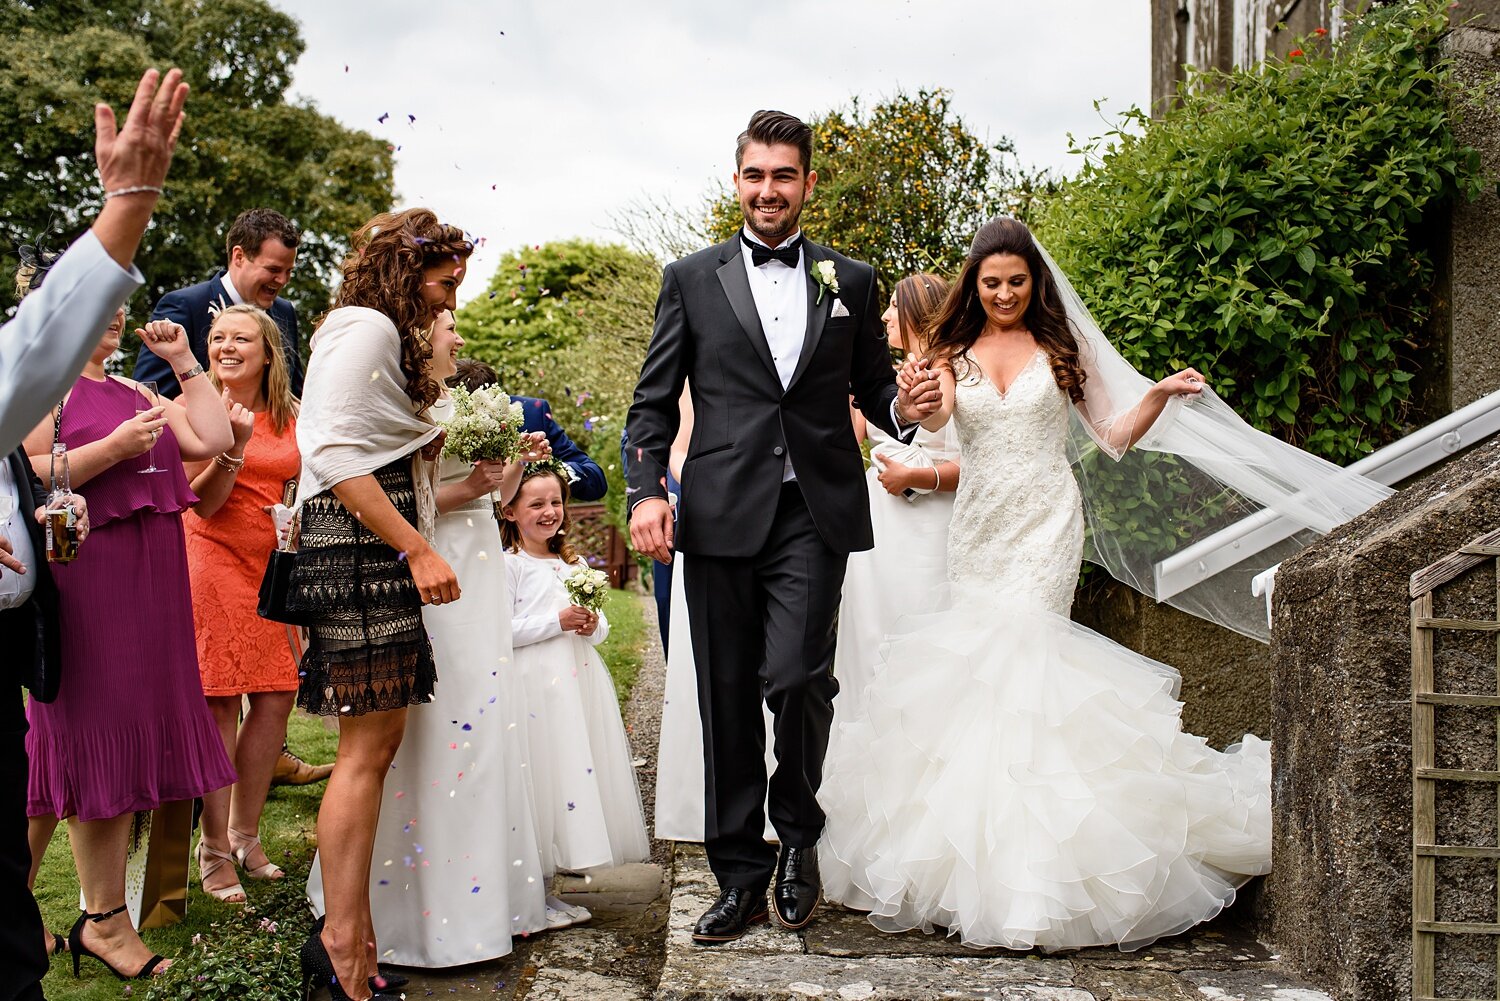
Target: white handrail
point(1390, 465)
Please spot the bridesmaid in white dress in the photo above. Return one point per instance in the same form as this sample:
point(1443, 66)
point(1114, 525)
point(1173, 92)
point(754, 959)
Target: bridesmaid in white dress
point(587, 804)
point(1011, 777)
point(456, 869)
point(911, 489)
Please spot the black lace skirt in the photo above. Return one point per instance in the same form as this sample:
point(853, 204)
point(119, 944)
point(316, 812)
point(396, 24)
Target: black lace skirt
point(367, 650)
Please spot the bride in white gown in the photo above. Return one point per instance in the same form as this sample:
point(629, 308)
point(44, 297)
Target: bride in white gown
point(1012, 777)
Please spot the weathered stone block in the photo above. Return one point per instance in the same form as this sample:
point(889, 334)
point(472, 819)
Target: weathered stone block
point(1338, 903)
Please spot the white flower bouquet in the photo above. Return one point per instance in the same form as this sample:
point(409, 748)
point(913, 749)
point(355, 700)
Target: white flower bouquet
point(587, 587)
point(485, 425)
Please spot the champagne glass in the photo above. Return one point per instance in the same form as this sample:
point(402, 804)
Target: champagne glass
point(145, 399)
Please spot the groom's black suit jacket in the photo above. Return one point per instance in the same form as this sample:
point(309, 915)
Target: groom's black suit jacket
point(744, 424)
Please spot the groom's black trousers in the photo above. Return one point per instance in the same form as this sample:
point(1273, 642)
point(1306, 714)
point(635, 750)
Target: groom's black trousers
point(763, 628)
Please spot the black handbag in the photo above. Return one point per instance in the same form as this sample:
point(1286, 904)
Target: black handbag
point(276, 585)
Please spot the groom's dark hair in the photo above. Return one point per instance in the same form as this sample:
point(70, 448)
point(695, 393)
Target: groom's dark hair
point(776, 128)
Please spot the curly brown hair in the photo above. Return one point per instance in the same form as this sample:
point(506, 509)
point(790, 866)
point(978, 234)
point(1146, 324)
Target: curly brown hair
point(384, 272)
point(962, 318)
point(510, 535)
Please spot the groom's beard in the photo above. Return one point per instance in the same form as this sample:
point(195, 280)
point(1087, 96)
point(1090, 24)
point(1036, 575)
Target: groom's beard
point(785, 226)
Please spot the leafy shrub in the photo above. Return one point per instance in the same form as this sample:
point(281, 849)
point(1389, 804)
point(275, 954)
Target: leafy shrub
point(253, 953)
point(1269, 230)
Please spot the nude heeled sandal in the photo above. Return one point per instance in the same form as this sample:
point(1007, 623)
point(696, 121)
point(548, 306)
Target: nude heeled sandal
point(234, 893)
point(248, 844)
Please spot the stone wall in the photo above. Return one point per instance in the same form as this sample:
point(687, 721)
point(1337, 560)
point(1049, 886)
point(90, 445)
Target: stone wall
point(1337, 905)
point(1471, 280)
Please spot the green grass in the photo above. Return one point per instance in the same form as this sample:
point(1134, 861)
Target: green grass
point(623, 650)
point(287, 830)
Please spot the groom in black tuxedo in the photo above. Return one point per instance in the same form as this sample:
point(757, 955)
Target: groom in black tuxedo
point(773, 333)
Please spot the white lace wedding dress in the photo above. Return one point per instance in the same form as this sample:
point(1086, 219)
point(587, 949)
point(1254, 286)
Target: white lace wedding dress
point(1012, 777)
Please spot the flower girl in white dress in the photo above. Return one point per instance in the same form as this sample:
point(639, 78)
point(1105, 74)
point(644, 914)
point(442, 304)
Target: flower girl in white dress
point(588, 807)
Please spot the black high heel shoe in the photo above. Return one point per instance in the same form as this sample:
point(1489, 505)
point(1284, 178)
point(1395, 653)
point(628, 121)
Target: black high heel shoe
point(317, 973)
point(79, 950)
point(387, 980)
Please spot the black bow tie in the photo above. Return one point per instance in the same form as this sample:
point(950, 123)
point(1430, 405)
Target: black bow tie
point(788, 255)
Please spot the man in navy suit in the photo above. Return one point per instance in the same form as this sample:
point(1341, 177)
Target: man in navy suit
point(588, 482)
point(261, 248)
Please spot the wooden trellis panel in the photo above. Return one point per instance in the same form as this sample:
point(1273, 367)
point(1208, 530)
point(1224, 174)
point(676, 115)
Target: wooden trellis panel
point(1425, 701)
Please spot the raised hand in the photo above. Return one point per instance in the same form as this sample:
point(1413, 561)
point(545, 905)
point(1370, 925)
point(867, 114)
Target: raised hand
point(241, 422)
point(1188, 382)
point(168, 341)
point(138, 154)
point(918, 392)
point(535, 447)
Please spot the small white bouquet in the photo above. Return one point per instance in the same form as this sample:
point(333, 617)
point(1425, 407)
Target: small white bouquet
point(485, 425)
point(587, 587)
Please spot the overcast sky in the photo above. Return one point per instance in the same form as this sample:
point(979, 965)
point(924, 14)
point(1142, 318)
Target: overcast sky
point(535, 120)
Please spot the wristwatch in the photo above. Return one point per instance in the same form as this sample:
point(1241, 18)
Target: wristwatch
point(182, 377)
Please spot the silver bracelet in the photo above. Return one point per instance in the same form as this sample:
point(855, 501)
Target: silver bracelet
point(191, 373)
point(937, 479)
point(136, 190)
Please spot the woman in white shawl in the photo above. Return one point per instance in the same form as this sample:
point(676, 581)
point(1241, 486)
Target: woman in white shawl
point(366, 563)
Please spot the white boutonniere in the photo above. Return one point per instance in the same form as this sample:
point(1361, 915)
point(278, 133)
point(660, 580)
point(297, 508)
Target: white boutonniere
point(827, 277)
point(217, 306)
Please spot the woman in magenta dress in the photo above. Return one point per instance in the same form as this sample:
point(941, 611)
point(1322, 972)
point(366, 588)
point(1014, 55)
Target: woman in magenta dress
point(130, 729)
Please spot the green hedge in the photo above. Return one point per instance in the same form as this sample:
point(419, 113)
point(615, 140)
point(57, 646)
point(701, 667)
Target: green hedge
point(1270, 230)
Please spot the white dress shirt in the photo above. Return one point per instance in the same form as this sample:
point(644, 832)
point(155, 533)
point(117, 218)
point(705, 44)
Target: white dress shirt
point(55, 329)
point(16, 588)
point(780, 295)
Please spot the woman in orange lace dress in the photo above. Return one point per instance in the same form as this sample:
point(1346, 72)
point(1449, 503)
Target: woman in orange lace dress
point(230, 536)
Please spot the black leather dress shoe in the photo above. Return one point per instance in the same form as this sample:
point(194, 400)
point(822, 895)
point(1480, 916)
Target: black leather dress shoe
point(731, 915)
point(798, 888)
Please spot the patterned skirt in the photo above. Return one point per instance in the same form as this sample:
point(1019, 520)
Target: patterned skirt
point(367, 650)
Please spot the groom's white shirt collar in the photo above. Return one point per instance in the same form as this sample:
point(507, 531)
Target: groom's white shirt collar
point(235, 299)
point(745, 232)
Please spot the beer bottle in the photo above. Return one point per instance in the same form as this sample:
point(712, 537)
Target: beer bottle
point(62, 516)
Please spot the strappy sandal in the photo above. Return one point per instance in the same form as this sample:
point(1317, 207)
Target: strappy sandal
point(79, 950)
point(251, 842)
point(234, 893)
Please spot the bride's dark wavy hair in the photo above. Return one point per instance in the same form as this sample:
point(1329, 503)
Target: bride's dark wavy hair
point(962, 318)
point(384, 271)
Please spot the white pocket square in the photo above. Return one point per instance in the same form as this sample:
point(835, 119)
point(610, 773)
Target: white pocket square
point(839, 309)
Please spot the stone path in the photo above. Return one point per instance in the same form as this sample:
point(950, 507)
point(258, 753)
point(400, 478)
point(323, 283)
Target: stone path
point(842, 957)
point(639, 948)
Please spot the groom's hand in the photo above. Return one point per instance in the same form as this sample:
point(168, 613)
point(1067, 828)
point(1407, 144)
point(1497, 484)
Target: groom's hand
point(918, 392)
point(651, 529)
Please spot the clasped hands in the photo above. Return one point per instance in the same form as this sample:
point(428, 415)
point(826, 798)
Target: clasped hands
point(918, 392)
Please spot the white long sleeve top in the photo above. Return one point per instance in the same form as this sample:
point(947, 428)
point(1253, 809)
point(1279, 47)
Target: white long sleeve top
point(537, 596)
point(55, 330)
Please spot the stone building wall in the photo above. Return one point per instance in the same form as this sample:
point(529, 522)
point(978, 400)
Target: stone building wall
point(1337, 905)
